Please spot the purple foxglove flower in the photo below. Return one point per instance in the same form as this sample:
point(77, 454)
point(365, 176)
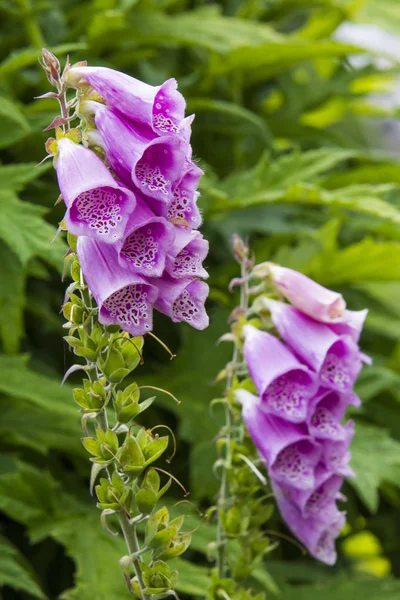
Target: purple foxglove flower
point(182, 300)
point(284, 384)
point(336, 359)
point(123, 297)
point(97, 205)
point(187, 254)
point(146, 242)
point(351, 323)
point(318, 534)
point(336, 455)
point(308, 296)
point(160, 107)
point(183, 206)
point(320, 501)
point(153, 164)
point(326, 411)
point(291, 455)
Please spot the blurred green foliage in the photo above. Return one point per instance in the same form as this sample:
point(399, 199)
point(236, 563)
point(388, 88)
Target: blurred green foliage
point(295, 155)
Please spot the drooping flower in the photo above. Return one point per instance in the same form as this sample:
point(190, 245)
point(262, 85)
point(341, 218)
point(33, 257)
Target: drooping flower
point(336, 454)
point(182, 300)
point(307, 295)
point(284, 384)
point(147, 241)
point(97, 205)
point(318, 533)
point(187, 253)
point(124, 298)
point(183, 208)
point(326, 412)
point(160, 107)
point(287, 449)
point(154, 165)
point(336, 359)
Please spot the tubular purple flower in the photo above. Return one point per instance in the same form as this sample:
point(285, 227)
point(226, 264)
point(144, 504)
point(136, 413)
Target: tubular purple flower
point(351, 323)
point(283, 383)
point(183, 300)
point(291, 455)
point(146, 242)
point(160, 107)
point(326, 411)
point(153, 164)
point(183, 206)
point(123, 297)
point(317, 534)
point(336, 455)
point(308, 296)
point(336, 359)
point(97, 205)
point(187, 254)
point(320, 501)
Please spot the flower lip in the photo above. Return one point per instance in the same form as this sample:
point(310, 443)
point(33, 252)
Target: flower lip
point(187, 254)
point(124, 298)
point(146, 242)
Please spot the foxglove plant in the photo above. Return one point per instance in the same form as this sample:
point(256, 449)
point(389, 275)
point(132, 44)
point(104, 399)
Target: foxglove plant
point(301, 360)
point(133, 248)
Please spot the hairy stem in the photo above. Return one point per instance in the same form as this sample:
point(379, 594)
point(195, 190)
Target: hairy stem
point(132, 543)
point(128, 530)
point(222, 539)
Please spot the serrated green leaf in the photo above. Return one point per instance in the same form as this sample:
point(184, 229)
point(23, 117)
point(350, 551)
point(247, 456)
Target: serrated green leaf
point(16, 572)
point(24, 230)
point(13, 125)
point(375, 458)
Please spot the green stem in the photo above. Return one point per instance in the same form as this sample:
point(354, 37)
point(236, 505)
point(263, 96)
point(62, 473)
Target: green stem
point(222, 539)
point(128, 530)
point(132, 543)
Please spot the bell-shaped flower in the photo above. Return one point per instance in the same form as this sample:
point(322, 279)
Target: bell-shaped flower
point(289, 452)
point(146, 241)
point(183, 207)
point(307, 295)
point(160, 107)
point(153, 164)
point(97, 205)
point(319, 501)
point(186, 255)
point(124, 298)
point(317, 533)
point(350, 323)
point(336, 455)
point(326, 412)
point(284, 384)
point(337, 360)
point(182, 300)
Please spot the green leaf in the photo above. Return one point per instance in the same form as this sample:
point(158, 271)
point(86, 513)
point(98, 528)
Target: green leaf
point(12, 300)
point(17, 380)
point(16, 572)
point(23, 229)
point(375, 458)
point(15, 177)
point(13, 125)
point(373, 589)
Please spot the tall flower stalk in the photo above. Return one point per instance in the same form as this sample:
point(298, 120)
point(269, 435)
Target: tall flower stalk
point(295, 361)
point(128, 183)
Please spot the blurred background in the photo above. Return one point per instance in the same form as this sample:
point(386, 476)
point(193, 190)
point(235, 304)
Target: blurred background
point(296, 106)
